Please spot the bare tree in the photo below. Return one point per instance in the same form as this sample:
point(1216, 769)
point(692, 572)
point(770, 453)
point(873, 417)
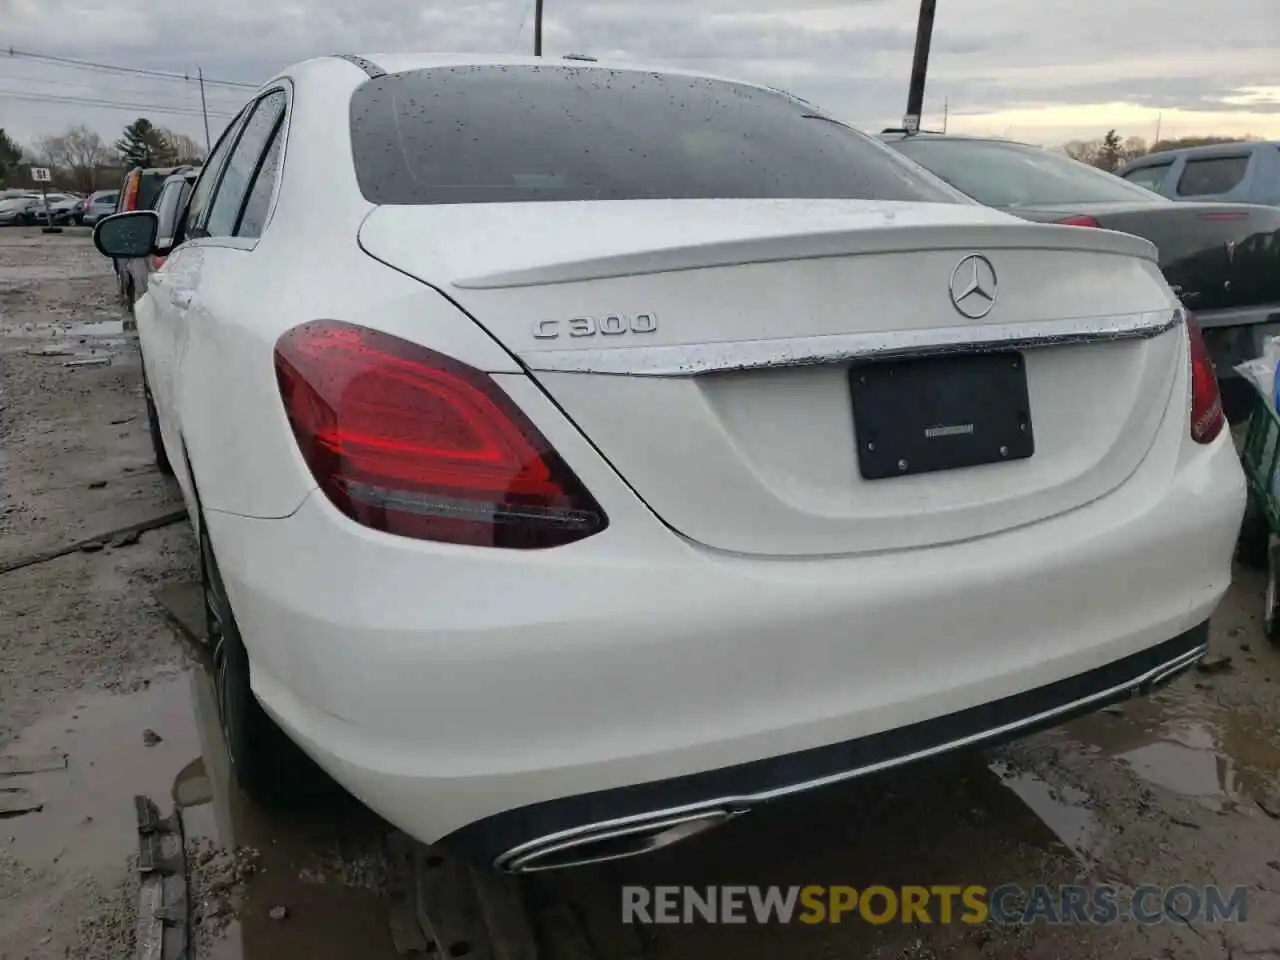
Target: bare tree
point(50, 151)
point(85, 151)
point(1086, 151)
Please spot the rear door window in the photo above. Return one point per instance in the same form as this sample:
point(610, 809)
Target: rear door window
point(1211, 176)
point(1151, 177)
point(243, 164)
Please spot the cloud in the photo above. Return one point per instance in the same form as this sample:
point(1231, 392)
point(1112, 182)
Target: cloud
point(1064, 67)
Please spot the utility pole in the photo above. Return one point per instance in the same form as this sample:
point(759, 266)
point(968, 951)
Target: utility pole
point(919, 67)
point(537, 28)
point(946, 112)
point(204, 110)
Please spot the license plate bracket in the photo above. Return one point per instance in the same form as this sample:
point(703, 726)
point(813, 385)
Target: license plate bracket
point(927, 414)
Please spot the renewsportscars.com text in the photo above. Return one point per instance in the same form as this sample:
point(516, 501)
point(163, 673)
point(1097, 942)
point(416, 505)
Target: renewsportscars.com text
point(1009, 904)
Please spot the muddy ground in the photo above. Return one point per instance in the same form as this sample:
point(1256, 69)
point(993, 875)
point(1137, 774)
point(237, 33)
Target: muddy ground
point(1169, 790)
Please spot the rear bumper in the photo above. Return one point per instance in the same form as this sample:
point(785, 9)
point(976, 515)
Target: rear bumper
point(518, 839)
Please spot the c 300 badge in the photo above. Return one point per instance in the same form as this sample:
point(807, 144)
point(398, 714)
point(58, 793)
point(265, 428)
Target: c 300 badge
point(610, 325)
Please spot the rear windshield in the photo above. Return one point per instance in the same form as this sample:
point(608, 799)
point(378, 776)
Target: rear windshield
point(1002, 174)
point(494, 134)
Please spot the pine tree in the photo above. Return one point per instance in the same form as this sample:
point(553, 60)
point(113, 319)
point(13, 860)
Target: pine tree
point(144, 145)
point(1111, 154)
point(10, 155)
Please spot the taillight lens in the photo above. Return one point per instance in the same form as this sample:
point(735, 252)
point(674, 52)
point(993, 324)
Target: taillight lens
point(405, 440)
point(1079, 221)
point(157, 261)
point(1207, 418)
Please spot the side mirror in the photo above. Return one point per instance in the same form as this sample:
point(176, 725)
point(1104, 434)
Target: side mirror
point(127, 235)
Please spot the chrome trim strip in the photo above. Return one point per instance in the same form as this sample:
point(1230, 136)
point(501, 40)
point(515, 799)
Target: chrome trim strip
point(661, 833)
point(1138, 685)
point(703, 358)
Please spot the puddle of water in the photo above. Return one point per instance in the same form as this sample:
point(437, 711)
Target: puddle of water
point(1063, 809)
point(88, 815)
point(1218, 757)
point(315, 864)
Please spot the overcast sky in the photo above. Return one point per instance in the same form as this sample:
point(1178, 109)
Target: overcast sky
point(1039, 70)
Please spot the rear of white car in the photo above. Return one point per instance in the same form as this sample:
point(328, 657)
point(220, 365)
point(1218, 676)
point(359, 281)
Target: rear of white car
point(739, 490)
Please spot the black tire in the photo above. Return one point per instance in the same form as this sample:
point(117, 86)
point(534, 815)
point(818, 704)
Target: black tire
point(153, 425)
point(267, 765)
point(79, 219)
point(1255, 532)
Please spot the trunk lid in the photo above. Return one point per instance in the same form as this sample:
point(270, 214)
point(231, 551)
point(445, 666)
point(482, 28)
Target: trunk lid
point(1216, 255)
point(705, 349)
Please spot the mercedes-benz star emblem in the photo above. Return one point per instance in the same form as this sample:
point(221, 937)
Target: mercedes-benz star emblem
point(973, 286)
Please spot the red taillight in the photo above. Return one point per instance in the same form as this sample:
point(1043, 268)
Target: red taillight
point(1079, 221)
point(157, 261)
point(405, 440)
point(1207, 418)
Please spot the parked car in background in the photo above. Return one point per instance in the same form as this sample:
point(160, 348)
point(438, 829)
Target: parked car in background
point(1247, 172)
point(1221, 259)
point(13, 207)
point(99, 204)
point(170, 203)
point(728, 403)
point(66, 210)
point(29, 210)
point(138, 191)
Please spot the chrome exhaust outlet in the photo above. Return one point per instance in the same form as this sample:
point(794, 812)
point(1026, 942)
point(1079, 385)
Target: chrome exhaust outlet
point(602, 843)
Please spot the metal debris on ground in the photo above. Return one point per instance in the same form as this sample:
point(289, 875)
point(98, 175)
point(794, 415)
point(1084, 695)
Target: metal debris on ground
point(38, 763)
point(406, 936)
point(97, 484)
point(162, 929)
point(16, 800)
point(89, 362)
point(447, 907)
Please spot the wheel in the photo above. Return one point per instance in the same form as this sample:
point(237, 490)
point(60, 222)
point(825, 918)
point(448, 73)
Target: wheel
point(1255, 532)
point(153, 425)
point(26, 219)
point(79, 219)
point(268, 766)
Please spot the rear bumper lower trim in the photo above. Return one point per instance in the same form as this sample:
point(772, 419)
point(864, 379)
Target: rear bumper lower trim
point(704, 358)
point(514, 835)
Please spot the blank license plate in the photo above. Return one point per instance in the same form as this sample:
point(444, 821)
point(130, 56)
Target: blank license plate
point(940, 413)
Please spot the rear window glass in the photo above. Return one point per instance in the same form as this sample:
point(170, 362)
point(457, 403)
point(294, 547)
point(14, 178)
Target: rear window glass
point(1212, 175)
point(1003, 174)
point(487, 134)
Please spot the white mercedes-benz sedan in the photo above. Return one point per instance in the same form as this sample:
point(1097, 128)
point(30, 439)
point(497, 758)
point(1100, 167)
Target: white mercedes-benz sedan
point(582, 455)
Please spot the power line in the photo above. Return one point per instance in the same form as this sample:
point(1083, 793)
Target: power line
point(141, 108)
point(236, 101)
point(116, 68)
